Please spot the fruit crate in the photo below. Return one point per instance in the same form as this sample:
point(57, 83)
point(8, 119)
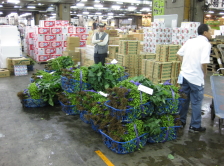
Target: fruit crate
point(124, 147)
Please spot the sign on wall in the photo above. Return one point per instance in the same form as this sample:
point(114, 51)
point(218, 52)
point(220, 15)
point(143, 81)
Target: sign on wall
point(158, 7)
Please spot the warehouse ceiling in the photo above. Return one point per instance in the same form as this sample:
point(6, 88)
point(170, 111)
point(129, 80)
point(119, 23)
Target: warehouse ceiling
point(90, 7)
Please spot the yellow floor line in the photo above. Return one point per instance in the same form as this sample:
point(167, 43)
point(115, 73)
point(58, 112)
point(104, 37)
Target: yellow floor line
point(208, 96)
point(104, 158)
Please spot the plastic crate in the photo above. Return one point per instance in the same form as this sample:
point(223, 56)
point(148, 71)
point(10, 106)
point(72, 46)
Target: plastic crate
point(164, 108)
point(31, 80)
point(94, 127)
point(30, 67)
point(33, 103)
point(167, 134)
point(124, 147)
point(69, 109)
point(49, 71)
point(82, 117)
point(71, 85)
point(123, 77)
point(131, 114)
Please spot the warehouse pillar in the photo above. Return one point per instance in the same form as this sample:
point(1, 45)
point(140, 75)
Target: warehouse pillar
point(187, 10)
point(63, 12)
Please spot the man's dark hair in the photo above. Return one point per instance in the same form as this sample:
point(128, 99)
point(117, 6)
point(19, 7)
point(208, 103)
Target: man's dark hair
point(202, 28)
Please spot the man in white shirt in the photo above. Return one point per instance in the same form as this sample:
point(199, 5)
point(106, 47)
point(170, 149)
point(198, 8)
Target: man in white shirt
point(195, 55)
point(100, 39)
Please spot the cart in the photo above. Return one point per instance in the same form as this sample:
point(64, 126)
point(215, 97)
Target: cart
point(217, 106)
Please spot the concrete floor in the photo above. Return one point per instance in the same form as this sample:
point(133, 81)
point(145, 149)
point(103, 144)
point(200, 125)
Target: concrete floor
point(46, 136)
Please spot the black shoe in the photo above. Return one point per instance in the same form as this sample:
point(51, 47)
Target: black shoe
point(200, 129)
point(183, 124)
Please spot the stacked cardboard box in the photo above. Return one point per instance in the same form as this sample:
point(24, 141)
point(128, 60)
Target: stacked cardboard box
point(188, 30)
point(129, 47)
point(15, 61)
point(108, 60)
point(49, 40)
point(166, 53)
point(72, 42)
point(120, 59)
point(113, 33)
point(113, 49)
point(4, 73)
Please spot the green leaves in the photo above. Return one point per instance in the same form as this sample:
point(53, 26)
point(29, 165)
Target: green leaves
point(170, 156)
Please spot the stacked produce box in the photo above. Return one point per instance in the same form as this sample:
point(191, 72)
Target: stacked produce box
point(166, 53)
point(49, 40)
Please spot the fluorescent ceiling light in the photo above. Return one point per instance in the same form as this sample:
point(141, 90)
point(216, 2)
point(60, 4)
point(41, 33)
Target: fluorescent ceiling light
point(71, 12)
point(131, 8)
point(130, 19)
point(121, 14)
point(16, 6)
point(79, 15)
point(116, 7)
point(98, 5)
point(222, 16)
point(208, 15)
point(118, 2)
point(110, 14)
point(39, 4)
point(73, 6)
point(1, 12)
point(53, 14)
point(211, 12)
point(1, 6)
point(13, 1)
point(31, 7)
point(84, 0)
point(139, 12)
point(98, 13)
point(85, 12)
point(221, 13)
point(89, 7)
point(97, 0)
point(79, 4)
point(146, 9)
point(103, 8)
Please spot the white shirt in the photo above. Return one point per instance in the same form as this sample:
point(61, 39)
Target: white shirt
point(195, 52)
point(103, 43)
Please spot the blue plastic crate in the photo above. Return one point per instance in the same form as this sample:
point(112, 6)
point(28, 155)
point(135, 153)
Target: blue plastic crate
point(31, 80)
point(33, 103)
point(48, 71)
point(94, 127)
point(30, 67)
point(164, 108)
point(69, 109)
point(71, 85)
point(124, 147)
point(82, 117)
point(131, 114)
point(123, 77)
point(167, 134)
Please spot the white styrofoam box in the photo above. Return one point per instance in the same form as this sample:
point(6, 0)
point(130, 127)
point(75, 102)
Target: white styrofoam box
point(49, 37)
point(20, 70)
point(167, 30)
point(30, 41)
point(59, 37)
point(42, 30)
point(30, 29)
point(49, 51)
point(42, 58)
point(169, 35)
point(9, 36)
point(40, 51)
point(56, 44)
point(82, 43)
point(31, 34)
point(31, 53)
point(56, 30)
point(58, 23)
point(74, 35)
point(31, 47)
point(185, 31)
point(64, 23)
point(176, 30)
point(168, 40)
point(59, 50)
point(80, 30)
point(64, 30)
point(64, 48)
point(68, 29)
point(43, 44)
point(64, 43)
point(190, 24)
point(55, 56)
point(193, 31)
point(40, 37)
point(154, 25)
point(64, 37)
point(192, 36)
point(44, 23)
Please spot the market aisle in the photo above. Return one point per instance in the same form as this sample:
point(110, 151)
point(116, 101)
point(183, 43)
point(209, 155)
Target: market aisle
point(46, 136)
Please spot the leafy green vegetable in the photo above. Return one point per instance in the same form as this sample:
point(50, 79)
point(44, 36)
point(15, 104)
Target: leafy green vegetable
point(33, 91)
